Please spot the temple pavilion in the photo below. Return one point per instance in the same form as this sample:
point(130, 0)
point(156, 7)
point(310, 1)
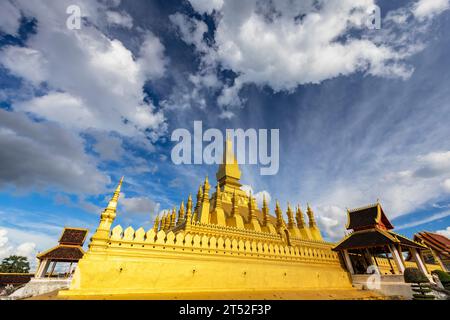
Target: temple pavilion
point(438, 248)
point(68, 251)
point(371, 238)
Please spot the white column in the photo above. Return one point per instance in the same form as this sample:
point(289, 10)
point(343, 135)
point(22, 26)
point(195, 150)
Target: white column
point(419, 261)
point(438, 259)
point(42, 269)
point(348, 262)
point(397, 259)
point(53, 269)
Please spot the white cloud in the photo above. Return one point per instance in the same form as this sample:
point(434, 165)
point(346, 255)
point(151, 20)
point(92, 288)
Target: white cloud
point(24, 62)
point(259, 196)
point(331, 220)
point(431, 218)
point(26, 249)
point(139, 205)
point(99, 76)
point(40, 156)
point(108, 147)
point(445, 232)
point(9, 17)
point(122, 19)
point(152, 60)
point(284, 44)
point(94, 83)
point(429, 8)
point(207, 6)
point(446, 185)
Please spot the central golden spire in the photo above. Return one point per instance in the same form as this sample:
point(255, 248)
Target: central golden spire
point(229, 172)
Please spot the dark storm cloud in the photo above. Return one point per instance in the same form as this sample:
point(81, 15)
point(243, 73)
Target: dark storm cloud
point(43, 155)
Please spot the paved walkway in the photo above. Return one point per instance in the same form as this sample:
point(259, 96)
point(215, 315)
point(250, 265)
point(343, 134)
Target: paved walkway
point(281, 295)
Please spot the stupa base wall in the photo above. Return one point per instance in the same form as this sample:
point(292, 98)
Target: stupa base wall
point(105, 274)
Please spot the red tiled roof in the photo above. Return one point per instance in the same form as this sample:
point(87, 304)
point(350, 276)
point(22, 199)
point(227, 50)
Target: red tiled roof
point(63, 253)
point(15, 278)
point(73, 236)
point(435, 241)
point(375, 237)
point(367, 217)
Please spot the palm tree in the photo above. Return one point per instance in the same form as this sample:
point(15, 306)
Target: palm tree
point(15, 264)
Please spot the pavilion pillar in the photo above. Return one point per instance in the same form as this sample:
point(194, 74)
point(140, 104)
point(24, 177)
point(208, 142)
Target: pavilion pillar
point(438, 259)
point(348, 262)
point(397, 259)
point(419, 261)
point(369, 257)
point(53, 269)
point(42, 269)
point(390, 262)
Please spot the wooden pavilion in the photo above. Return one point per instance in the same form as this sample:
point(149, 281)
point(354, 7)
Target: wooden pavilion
point(371, 237)
point(69, 250)
point(438, 248)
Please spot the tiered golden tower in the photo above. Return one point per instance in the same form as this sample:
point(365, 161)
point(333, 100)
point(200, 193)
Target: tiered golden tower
point(231, 211)
point(222, 243)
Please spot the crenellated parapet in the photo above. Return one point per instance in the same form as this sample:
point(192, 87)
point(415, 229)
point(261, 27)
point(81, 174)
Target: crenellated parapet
point(151, 241)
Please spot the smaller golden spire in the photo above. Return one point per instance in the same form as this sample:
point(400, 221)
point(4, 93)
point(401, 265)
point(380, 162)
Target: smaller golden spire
point(312, 220)
point(189, 209)
point(234, 201)
point(173, 218)
point(265, 211)
point(206, 187)
point(181, 213)
point(156, 224)
point(167, 222)
point(163, 221)
point(199, 200)
point(300, 218)
point(112, 204)
point(218, 199)
point(251, 208)
point(290, 215)
point(279, 214)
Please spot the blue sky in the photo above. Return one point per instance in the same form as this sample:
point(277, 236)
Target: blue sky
point(363, 114)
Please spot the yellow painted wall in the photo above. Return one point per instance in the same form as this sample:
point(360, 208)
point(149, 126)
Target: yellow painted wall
point(194, 264)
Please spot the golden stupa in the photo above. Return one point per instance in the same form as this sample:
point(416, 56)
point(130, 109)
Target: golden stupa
point(224, 243)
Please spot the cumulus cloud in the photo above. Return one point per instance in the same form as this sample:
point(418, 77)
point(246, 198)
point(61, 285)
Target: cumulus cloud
point(284, 44)
point(87, 82)
point(40, 155)
point(429, 8)
point(26, 249)
point(24, 62)
point(259, 196)
point(445, 232)
point(207, 6)
point(9, 18)
point(121, 19)
point(331, 220)
point(100, 79)
point(139, 205)
point(446, 185)
point(108, 147)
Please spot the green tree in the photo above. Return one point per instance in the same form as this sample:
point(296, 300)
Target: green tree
point(419, 284)
point(15, 264)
